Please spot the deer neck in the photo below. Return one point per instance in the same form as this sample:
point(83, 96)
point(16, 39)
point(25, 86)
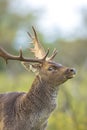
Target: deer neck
point(42, 94)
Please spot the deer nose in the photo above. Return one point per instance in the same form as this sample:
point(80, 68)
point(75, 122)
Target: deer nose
point(72, 70)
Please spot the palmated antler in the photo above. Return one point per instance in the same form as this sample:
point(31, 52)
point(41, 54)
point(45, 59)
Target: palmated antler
point(7, 56)
point(38, 50)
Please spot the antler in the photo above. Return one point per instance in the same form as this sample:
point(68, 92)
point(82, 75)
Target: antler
point(53, 54)
point(38, 50)
point(7, 56)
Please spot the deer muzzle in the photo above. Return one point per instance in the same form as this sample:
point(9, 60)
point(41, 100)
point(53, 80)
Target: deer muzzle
point(70, 73)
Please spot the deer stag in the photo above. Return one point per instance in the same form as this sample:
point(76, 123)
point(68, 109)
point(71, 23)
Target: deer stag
point(31, 110)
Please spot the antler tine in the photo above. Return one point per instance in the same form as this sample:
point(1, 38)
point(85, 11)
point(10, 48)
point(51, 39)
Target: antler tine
point(30, 35)
point(53, 54)
point(35, 34)
point(44, 58)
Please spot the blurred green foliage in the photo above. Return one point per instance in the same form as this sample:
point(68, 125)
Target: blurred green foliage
point(71, 113)
point(11, 21)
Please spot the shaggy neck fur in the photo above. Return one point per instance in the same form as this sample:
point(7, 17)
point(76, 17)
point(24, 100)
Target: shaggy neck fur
point(42, 94)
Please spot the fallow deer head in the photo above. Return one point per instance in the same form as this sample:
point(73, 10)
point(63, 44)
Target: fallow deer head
point(48, 70)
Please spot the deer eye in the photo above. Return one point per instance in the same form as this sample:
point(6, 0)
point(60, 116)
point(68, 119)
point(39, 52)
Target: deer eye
point(51, 68)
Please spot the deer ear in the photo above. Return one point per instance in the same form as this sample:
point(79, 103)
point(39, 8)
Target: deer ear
point(31, 67)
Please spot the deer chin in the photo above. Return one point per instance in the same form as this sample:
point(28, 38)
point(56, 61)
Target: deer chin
point(71, 76)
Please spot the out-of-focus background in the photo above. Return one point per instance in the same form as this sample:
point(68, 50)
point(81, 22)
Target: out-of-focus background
point(62, 25)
